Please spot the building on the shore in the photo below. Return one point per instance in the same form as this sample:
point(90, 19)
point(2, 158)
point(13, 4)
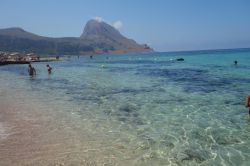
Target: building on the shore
point(17, 56)
point(32, 57)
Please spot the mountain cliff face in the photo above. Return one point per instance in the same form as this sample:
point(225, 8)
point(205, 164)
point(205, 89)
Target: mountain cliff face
point(104, 36)
point(97, 38)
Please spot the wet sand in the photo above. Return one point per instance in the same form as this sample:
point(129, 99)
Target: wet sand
point(28, 137)
point(31, 135)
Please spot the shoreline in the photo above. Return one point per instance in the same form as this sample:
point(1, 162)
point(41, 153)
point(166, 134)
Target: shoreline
point(26, 137)
point(32, 135)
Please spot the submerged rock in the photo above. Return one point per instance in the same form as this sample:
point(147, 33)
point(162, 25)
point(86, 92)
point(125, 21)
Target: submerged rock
point(192, 154)
point(143, 145)
point(167, 144)
point(182, 156)
point(128, 108)
point(227, 140)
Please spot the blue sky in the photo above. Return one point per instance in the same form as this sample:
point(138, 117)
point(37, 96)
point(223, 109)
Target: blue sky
point(166, 25)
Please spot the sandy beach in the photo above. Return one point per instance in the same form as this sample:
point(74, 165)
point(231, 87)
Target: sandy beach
point(27, 136)
point(30, 135)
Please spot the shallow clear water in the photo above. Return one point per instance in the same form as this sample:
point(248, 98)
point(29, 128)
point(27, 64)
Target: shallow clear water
point(151, 109)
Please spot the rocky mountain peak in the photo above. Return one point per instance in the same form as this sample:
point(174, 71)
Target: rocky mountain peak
point(95, 28)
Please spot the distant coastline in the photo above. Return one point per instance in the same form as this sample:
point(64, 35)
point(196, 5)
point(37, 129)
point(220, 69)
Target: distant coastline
point(209, 50)
point(97, 38)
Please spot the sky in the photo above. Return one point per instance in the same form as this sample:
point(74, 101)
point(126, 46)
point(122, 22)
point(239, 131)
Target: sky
point(165, 25)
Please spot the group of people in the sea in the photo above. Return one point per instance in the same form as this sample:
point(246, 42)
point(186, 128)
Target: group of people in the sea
point(32, 70)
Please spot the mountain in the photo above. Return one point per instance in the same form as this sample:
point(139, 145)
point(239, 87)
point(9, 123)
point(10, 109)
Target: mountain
point(97, 38)
point(17, 39)
point(19, 33)
point(103, 35)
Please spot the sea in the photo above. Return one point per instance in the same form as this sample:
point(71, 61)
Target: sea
point(141, 109)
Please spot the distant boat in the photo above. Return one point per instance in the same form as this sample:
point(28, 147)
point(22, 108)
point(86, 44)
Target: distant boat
point(180, 59)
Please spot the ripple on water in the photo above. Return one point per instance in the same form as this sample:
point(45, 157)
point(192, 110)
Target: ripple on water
point(3, 134)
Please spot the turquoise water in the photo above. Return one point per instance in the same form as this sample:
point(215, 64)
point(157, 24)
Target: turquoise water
point(151, 109)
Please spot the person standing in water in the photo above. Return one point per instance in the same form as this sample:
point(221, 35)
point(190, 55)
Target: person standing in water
point(247, 103)
point(31, 70)
point(49, 69)
point(235, 62)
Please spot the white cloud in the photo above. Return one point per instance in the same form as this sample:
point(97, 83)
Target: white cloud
point(117, 25)
point(99, 19)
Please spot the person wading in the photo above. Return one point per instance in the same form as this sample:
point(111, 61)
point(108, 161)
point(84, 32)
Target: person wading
point(49, 69)
point(31, 70)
